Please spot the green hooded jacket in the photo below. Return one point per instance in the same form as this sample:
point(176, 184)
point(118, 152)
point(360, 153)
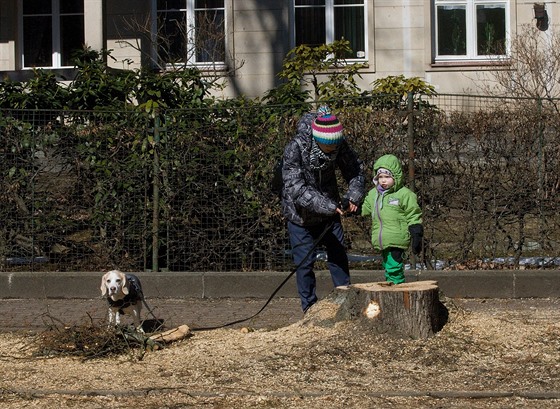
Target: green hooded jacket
point(392, 211)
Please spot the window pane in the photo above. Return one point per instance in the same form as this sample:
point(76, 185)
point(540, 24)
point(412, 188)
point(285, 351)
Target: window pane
point(339, 2)
point(209, 4)
point(37, 7)
point(171, 4)
point(210, 36)
point(451, 30)
point(310, 26)
point(490, 30)
point(37, 41)
point(71, 6)
point(71, 37)
point(172, 37)
point(310, 2)
point(349, 24)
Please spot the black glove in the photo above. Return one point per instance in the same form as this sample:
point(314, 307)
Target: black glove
point(416, 234)
point(345, 205)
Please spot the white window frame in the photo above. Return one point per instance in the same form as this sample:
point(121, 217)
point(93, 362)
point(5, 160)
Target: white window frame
point(329, 25)
point(56, 33)
point(190, 21)
point(471, 28)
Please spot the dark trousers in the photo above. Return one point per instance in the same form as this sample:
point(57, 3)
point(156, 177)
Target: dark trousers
point(302, 240)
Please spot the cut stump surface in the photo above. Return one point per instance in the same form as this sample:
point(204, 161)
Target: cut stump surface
point(408, 310)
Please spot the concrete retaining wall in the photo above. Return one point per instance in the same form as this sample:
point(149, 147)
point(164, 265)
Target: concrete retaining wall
point(455, 284)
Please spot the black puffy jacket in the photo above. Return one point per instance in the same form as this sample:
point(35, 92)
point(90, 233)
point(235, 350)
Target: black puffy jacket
point(310, 197)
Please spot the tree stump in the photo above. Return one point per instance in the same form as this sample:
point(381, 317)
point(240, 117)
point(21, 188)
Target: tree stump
point(408, 310)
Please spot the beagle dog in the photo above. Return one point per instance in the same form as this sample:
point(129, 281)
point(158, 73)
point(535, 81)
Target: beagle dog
point(124, 296)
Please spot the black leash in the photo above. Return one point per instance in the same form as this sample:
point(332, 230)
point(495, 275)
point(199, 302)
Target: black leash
point(311, 251)
point(149, 309)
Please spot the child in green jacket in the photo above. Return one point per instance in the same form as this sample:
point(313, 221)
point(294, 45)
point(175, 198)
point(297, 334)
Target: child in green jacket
point(396, 217)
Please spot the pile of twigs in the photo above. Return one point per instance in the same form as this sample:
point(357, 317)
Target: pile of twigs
point(93, 341)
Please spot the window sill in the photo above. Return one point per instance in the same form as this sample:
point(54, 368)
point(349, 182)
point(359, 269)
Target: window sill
point(25, 74)
point(462, 64)
point(364, 65)
point(200, 66)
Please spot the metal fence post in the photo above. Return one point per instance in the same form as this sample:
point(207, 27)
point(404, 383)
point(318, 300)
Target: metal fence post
point(410, 114)
point(155, 205)
point(541, 170)
point(33, 187)
point(411, 170)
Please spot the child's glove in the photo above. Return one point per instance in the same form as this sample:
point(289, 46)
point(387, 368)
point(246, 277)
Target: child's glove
point(416, 234)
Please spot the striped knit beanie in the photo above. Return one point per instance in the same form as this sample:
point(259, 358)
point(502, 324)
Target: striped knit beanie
point(326, 128)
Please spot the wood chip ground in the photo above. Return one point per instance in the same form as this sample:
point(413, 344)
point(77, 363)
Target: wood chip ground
point(489, 355)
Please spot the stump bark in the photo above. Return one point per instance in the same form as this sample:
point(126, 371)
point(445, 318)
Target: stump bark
point(408, 310)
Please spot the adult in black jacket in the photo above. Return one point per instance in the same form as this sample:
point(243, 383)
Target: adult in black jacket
point(311, 201)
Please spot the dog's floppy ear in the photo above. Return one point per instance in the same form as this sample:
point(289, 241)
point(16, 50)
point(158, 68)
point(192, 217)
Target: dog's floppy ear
point(125, 283)
point(103, 284)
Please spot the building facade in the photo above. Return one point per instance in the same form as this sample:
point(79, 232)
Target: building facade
point(448, 43)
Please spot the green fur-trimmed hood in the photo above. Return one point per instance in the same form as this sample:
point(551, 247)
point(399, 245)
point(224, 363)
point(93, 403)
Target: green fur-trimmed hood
point(392, 163)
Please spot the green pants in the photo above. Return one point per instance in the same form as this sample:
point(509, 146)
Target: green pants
point(393, 264)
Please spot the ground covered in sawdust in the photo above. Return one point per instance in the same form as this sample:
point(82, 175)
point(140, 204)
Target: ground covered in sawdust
point(483, 358)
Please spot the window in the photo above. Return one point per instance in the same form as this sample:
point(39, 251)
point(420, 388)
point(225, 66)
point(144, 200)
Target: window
point(190, 31)
point(324, 21)
point(470, 29)
point(52, 30)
